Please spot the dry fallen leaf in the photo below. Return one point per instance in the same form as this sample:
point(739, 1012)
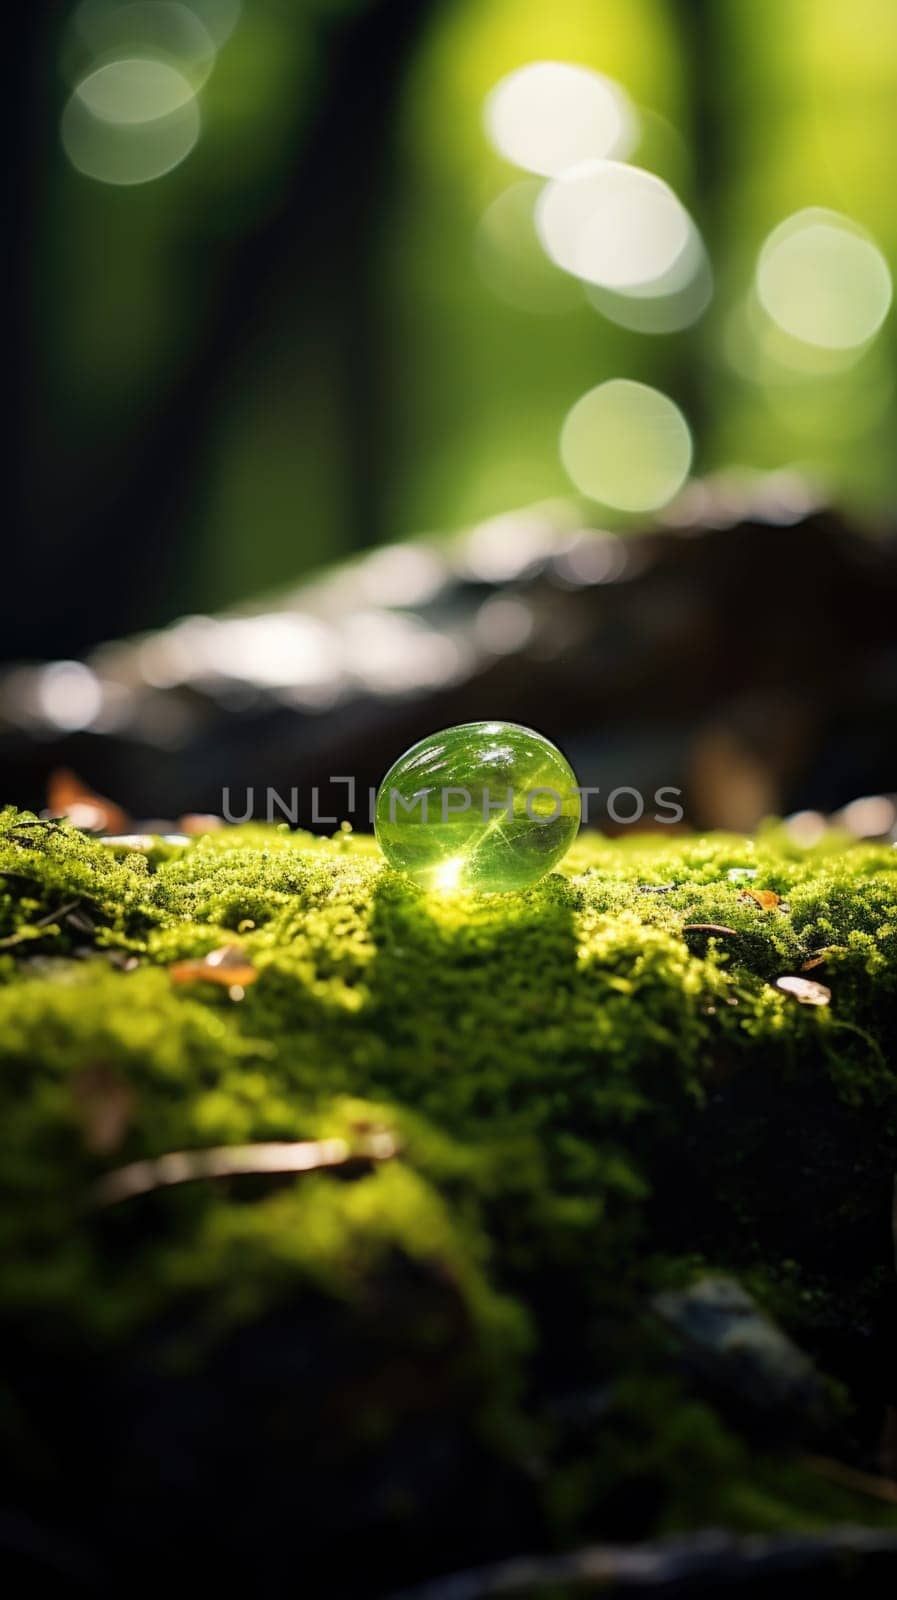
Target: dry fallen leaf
point(815, 961)
point(805, 990)
point(766, 899)
point(228, 966)
point(68, 797)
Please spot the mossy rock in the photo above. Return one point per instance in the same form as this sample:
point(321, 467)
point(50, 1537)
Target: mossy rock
point(554, 1107)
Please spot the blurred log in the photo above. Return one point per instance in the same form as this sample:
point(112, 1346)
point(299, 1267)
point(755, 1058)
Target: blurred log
point(743, 652)
point(792, 1564)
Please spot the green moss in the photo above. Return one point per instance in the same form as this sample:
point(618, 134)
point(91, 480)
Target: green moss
point(589, 1097)
point(675, 1455)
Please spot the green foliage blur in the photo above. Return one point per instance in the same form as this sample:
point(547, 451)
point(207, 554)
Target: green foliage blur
point(300, 303)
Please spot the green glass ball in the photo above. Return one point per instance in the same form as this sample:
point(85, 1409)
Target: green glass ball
point(486, 806)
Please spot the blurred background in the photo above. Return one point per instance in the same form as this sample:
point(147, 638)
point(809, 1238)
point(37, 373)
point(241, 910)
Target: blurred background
point(380, 365)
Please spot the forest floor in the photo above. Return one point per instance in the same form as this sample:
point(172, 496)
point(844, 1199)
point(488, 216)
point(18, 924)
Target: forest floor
point(341, 1213)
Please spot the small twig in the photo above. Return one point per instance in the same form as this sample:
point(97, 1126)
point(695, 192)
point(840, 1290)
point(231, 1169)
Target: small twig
point(36, 822)
point(852, 1478)
point(708, 927)
point(12, 833)
point(24, 934)
point(238, 1161)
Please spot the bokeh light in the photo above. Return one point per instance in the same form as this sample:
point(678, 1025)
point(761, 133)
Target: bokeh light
point(503, 625)
point(220, 17)
point(761, 351)
point(69, 695)
point(164, 30)
point(806, 828)
point(626, 445)
point(504, 547)
point(676, 300)
point(613, 225)
point(823, 280)
point(138, 89)
point(511, 259)
point(130, 121)
point(870, 817)
point(592, 556)
point(402, 575)
point(392, 652)
point(275, 649)
point(550, 115)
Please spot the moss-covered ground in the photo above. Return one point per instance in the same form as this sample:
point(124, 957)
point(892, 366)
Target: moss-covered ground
point(554, 1104)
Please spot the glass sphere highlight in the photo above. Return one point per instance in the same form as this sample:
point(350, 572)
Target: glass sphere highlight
point(486, 806)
